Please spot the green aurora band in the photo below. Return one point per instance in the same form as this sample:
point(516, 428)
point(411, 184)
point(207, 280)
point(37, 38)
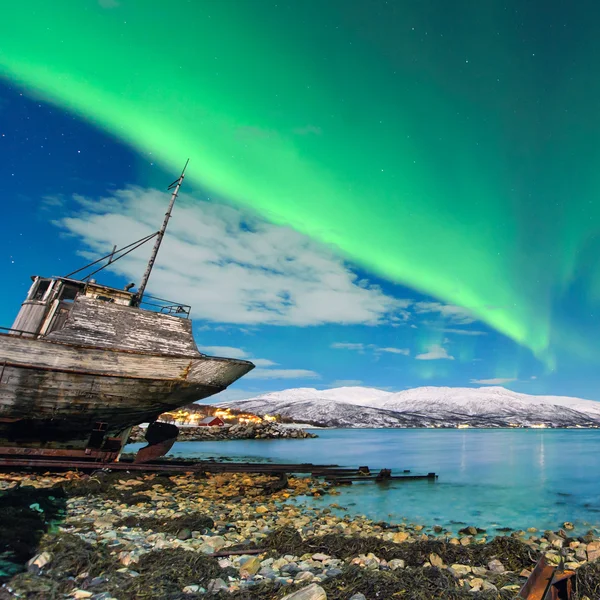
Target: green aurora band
point(430, 145)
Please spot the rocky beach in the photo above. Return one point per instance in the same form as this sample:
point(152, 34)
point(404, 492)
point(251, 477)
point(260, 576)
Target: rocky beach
point(264, 430)
point(240, 536)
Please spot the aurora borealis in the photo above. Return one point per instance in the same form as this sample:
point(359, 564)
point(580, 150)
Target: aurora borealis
point(448, 147)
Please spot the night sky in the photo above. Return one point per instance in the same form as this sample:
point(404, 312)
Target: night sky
point(379, 193)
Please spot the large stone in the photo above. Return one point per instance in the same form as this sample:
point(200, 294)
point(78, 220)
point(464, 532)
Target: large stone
point(436, 560)
point(249, 566)
point(216, 585)
point(552, 558)
point(312, 592)
point(460, 570)
point(581, 554)
point(468, 530)
point(400, 537)
point(593, 551)
point(321, 557)
point(552, 537)
point(279, 563)
point(216, 542)
point(358, 596)
point(191, 589)
point(39, 561)
point(396, 563)
point(476, 584)
point(495, 566)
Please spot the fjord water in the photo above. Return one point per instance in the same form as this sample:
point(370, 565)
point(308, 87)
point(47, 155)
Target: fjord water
point(489, 478)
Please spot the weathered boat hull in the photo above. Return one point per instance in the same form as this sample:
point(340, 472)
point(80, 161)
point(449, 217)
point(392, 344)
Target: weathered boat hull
point(53, 394)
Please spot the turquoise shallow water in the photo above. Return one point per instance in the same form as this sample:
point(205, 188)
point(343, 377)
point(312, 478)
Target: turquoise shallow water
point(488, 478)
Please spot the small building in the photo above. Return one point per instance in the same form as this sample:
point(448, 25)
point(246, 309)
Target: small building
point(211, 422)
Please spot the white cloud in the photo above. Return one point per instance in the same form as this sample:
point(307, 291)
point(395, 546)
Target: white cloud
point(435, 352)
point(263, 362)
point(404, 351)
point(229, 265)
point(462, 331)
point(533, 377)
point(362, 347)
point(454, 314)
point(346, 382)
point(347, 346)
point(496, 381)
point(281, 374)
point(227, 351)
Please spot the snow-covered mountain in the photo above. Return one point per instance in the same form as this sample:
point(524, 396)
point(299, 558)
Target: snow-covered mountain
point(423, 407)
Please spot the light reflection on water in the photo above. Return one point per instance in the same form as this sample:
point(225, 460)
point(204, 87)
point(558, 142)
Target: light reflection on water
point(488, 478)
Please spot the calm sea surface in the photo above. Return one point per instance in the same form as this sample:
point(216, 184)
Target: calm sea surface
point(488, 478)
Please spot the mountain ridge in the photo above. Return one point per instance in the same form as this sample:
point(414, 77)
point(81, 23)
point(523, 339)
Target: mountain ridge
point(490, 406)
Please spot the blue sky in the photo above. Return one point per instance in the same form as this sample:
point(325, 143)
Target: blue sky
point(309, 317)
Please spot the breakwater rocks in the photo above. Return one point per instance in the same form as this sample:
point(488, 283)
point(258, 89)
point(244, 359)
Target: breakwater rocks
point(242, 431)
point(230, 537)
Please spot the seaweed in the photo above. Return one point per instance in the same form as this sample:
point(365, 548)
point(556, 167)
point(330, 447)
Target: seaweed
point(512, 553)
point(104, 484)
point(193, 522)
point(407, 584)
point(588, 581)
point(428, 583)
point(73, 564)
point(164, 574)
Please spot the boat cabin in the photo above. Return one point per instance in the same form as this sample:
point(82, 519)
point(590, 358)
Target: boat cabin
point(84, 312)
point(50, 300)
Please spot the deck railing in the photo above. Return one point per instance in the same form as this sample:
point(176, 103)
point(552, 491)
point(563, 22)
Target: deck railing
point(16, 332)
point(166, 306)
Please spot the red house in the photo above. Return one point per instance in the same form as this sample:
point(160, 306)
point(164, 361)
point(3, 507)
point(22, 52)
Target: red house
point(211, 422)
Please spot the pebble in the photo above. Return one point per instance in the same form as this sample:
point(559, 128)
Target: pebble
point(435, 560)
point(396, 563)
point(249, 566)
point(39, 561)
point(243, 514)
point(191, 589)
point(460, 570)
point(312, 592)
point(216, 585)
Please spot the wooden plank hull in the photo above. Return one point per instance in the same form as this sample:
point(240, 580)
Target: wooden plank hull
point(52, 394)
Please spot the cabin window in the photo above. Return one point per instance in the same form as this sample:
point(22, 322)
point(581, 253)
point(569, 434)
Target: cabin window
point(41, 289)
point(69, 293)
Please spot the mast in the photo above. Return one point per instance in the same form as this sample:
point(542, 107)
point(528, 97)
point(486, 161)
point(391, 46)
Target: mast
point(175, 187)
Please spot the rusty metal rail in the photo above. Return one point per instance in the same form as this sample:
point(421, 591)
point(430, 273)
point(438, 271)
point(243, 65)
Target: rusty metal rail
point(333, 472)
point(548, 582)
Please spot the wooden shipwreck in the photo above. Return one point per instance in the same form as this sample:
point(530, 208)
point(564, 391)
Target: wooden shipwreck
point(84, 362)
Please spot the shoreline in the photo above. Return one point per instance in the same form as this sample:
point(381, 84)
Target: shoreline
point(130, 528)
point(249, 431)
